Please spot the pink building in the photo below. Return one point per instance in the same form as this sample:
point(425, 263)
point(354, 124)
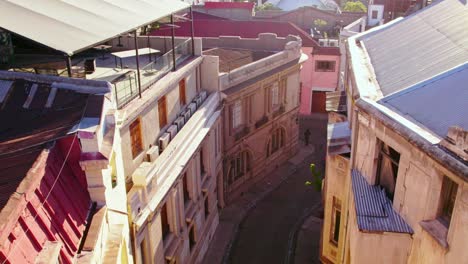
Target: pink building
point(319, 73)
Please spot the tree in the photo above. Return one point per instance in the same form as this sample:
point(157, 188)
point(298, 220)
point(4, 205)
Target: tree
point(316, 178)
point(357, 6)
point(320, 23)
point(266, 6)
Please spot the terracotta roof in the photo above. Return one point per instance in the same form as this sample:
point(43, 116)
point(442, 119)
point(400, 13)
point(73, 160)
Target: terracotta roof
point(245, 29)
point(229, 5)
point(230, 59)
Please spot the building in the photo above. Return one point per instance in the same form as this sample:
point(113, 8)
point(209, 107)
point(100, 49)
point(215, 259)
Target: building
point(383, 11)
point(288, 5)
point(399, 193)
point(259, 81)
point(50, 209)
point(154, 163)
point(228, 10)
point(319, 73)
point(306, 16)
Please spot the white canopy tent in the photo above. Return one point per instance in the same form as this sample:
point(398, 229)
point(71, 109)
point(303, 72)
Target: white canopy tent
point(71, 26)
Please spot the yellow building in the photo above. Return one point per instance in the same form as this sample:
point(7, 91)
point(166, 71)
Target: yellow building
point(402, 196)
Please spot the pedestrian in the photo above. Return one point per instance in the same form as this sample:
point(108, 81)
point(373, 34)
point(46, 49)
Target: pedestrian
point(306, 136)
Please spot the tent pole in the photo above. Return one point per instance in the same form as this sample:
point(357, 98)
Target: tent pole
point(137, 62)
point(173, 44)
point(192, 31)
point(69, 65)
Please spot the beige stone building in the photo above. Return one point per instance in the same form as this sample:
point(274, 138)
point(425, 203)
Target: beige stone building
point(180, 131)
point(259, 82)
point(400, 193)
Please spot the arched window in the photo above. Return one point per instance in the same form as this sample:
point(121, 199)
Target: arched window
point(276, 142)
point(240, 165)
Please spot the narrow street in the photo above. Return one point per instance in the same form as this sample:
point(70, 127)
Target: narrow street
point(264, 235)
point(269, 230)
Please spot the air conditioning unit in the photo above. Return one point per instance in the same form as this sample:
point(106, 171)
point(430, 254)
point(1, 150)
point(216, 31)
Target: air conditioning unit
point(152, 154)
point(333, 43)
point(164, 141)
point(179, 122)
point(193, 108)
point(172, 130)
point(203, 95)
point(199, 101)
point(322, 42)
point(186, 115)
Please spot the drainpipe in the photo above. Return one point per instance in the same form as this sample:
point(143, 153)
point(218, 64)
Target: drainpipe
point(137, 62)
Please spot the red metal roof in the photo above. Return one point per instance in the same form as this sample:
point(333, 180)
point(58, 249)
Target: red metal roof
point(229, 5)
point(33, 147)
point(200, 15)
point(63, 216)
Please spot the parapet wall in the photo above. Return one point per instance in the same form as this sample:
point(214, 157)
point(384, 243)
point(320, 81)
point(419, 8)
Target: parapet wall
point(265, 42)
point(287, 49)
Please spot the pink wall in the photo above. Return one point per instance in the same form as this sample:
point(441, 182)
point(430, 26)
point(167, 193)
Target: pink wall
point(312, 80)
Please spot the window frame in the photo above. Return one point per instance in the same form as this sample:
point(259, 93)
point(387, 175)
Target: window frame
point(387, 156)
point(136, 137)
point(237, 117)
point(165, 223)
point(162, 112)
point(185, 189)
point(331, 66)
point(448, 194)
point(376, 13)
point(335, 225)
point(182, 92)
point(240, 165)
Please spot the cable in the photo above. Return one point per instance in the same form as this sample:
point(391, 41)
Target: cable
point(18, 241)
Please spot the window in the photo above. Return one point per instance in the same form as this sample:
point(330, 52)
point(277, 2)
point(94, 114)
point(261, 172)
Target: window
point(387, 169)
point(447, 196)
point(185, 188)
point(274, 96)
point(207, 207)
point(202, 163)
point(192, 241)
point(374, 14)
point(276, 141)
point(336, 220)
point(239, 166)
point(143, 251)
point(182, 98)
point(135, 138)
point(324, 66)
point(165, 222)
point(162, 112)
point(237, 114)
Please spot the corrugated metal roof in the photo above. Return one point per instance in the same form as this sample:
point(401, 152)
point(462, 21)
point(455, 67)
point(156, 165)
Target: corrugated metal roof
point(374, 210)
point(338, 138)
point(438, 103)
point(336, 101)
point(70, 25)
point(420, 46)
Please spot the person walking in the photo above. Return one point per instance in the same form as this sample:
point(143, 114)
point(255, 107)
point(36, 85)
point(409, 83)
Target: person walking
point(307, 136)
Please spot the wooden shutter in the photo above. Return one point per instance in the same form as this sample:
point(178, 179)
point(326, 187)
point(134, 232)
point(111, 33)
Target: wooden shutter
point(135, 138)
point(182, 98)
point(162, 112)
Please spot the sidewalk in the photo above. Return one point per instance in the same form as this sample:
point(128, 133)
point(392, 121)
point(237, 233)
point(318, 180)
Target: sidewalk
point(232, 215)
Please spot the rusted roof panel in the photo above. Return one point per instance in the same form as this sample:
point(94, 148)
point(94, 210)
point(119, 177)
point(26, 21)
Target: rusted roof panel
point(374, 210)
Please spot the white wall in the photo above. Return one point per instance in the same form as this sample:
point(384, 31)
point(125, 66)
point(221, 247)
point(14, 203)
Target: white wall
point(380, 12)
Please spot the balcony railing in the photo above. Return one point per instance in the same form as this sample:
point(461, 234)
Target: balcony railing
point(126, 87)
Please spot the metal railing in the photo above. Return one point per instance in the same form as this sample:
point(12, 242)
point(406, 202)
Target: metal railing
point(126, 88)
